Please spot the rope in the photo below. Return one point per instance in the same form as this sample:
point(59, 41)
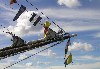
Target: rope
point(32, 55)
point(4, 28)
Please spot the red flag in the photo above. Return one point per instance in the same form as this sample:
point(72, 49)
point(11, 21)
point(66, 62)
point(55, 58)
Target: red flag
point(12, 1)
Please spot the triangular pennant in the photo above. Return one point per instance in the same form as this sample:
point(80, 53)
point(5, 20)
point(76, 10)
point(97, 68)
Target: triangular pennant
point(21, 10)
point(68, 60)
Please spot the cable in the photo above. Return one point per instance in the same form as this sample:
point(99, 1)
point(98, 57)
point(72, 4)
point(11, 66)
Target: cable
point(32, 55)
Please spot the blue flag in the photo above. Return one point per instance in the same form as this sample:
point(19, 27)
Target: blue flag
point(21, 10)
point(38, 19)
point(32, 16)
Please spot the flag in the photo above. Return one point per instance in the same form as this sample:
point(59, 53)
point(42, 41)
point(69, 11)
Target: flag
point(37, 20)
point(45, 31)
point(45, 35)
point(21, 10)
point(47, 24)
point(32, 17)
point(68, 60)
point(12, 1)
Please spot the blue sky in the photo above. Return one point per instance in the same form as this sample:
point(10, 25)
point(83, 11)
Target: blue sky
point(74, 16)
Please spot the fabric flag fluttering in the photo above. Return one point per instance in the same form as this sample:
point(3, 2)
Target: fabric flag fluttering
point(37, 20)
point(21, 10)
point(68, 60)
point(13, 1)
point(32, 17)
point(46, 26)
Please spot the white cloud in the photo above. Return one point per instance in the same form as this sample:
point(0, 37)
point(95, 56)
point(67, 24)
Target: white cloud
point(87, 57)
point(72, 13)
point(76, 19)
point(29, 64)
point(69, 3)
point(45, 63)
point(10, 60)
point(80, 46)
point(72, 28)
point(20, 66)
point(24, 26)
point(43, 47)
point(31, 51)
point(22, 56)
point(3, 65)
point(78, 66)
point(49, 53)
point(33, 67)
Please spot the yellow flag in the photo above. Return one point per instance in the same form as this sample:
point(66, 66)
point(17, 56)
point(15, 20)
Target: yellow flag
point(47, 24)
point(44, 35)
point(69, 59)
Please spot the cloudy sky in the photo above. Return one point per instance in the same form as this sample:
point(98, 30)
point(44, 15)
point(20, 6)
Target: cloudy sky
point(74, 16)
